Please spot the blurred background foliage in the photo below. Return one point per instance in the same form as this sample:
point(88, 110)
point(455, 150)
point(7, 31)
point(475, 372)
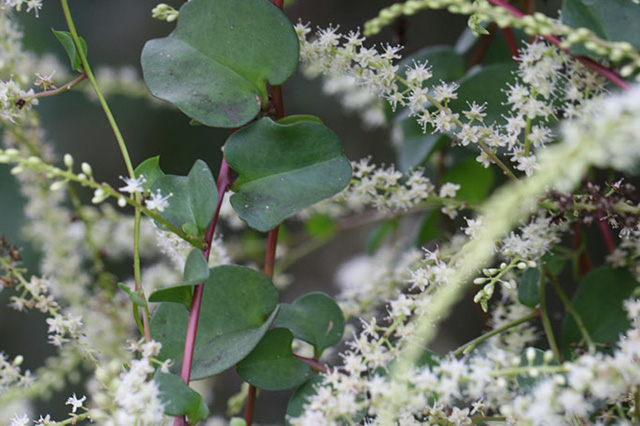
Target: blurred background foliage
point(115, 32)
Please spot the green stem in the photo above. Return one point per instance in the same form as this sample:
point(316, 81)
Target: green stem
point(468, 347)
point(544, 316)
point(576, 316)
point(94, 83)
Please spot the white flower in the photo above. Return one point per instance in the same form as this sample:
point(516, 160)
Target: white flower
point(158, 202)
point(132, 185)
point(75, 402)
point(19, 420)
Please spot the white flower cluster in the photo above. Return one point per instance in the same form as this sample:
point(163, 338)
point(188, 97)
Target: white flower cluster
point(11, 373)
point(30, 5)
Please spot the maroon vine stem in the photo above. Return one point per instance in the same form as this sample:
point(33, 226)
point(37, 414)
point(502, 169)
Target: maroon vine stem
point(606, 233)
point(61, 89)
point(272, 239)
point(224, 180)
point(606, 72)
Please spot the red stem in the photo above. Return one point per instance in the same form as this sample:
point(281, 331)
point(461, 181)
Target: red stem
point(606, 233)
point(312, 363)
point(511, 42)
point(224, 180)
point(59, 89)
point(251, 401)
point(606, 72)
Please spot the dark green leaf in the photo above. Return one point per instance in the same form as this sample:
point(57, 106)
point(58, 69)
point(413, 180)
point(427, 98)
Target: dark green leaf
point(416, 146)
point(238, 303)
point(314, 318)
point(271, 365)
point(529, 289)
point(486, 85)
point(193, 200)
point(321, 226)
point(612, 20)
point(150, 169)
point(215, 64)
point(379, 234)
point(475, 180)
point(299, 397)
point(283, 169)
point(179, 399)
point(446, 64)
point(196, 271)
point(291, 119)
point(554, 263)
point(598, 301)
point(431, 228)
point(66, 41)
point(498, 50)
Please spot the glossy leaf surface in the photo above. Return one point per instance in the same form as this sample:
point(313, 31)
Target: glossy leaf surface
point(196, 271)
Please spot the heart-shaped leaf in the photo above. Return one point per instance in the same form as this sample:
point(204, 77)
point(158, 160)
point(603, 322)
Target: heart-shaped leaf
point(271, 365)
point(179, 399)
point(215, 64)
point(240, 305)
point(193, 198)
point(314, 318)
point(284, 168)
point(196, 271)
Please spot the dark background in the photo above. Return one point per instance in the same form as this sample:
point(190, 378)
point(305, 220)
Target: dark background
point(115, 32)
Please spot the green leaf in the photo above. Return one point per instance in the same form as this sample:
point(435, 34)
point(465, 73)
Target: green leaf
point(321, 226)
point(196, 271)
point(314, 318)
point(299, 397)
point(446, 64)
point(475, 181)
point(238, 303)
point(612, 20)
point(193, 200)
point(528, 289)
point(378, 235)
point(526, 382)
point(216, 62)
point(431, 228)
point(133, 296)
point(554, 263)
point(150, 169)
point(271, 365)
point(499, 51)
point(598, 301)
point(486, 85)
point(291, 119)
point(283, 169)
point(179, 399)
point(66, 41)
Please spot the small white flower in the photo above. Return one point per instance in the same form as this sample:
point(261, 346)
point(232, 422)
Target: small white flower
point(75, 402)
point(158, 202)
point(132, 185)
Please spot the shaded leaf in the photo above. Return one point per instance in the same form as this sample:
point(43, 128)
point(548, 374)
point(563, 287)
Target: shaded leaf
point(299, 397)
point(475, 181)
point(196, 271)
point(193, 199)
point(598, 301)
point(240, 305)
point(271, 365)
point(529, 289)
point(216, 62)
point(179, 399)
point(283, 169)
point(315, 318)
